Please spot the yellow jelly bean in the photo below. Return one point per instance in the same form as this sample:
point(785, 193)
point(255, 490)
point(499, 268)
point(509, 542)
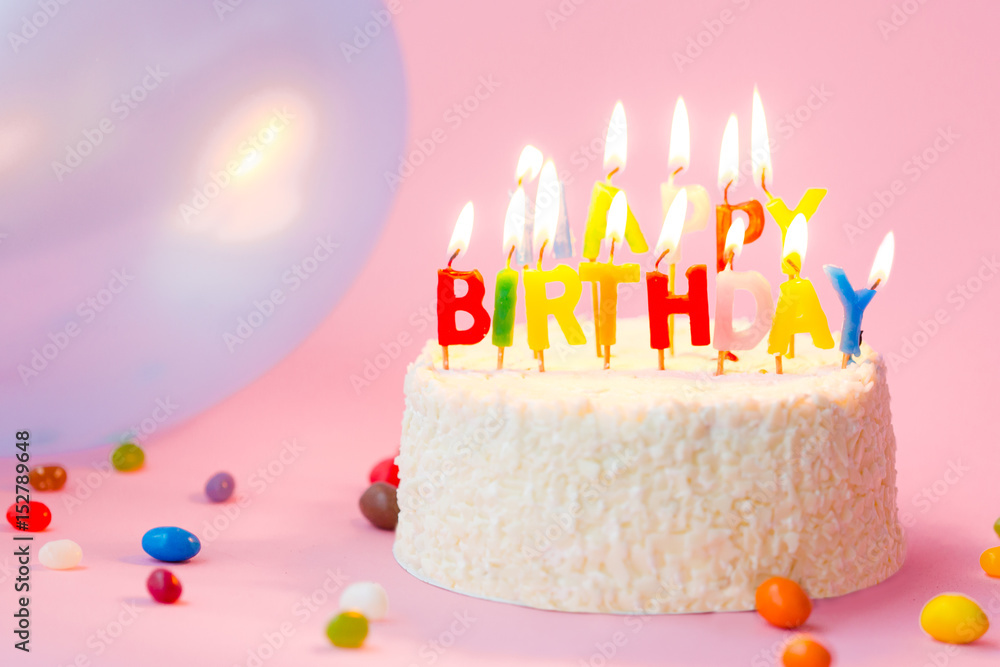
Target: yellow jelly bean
point(990, 561)
point(954, 619)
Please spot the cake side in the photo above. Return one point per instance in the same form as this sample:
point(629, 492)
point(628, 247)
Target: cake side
point(646, 491)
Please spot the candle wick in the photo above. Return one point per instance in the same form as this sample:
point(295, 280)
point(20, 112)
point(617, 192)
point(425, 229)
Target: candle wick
point(875, 284)
point(540, 251)
point(677, 171)
point(612, 173)
point(452, 258)
point(660, 258)
point(725, 193)
point(763, 186)
point(510, 254)
point(611, 257)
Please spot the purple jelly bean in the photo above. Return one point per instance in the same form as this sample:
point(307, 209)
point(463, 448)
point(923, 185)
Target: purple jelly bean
point(220, 487)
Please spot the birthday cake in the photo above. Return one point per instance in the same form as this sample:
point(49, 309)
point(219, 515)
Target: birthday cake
point(635, 490)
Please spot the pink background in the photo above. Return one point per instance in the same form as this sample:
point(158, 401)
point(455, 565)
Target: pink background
point(885, 98)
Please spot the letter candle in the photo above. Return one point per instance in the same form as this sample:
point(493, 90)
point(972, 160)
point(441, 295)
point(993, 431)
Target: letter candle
point(763, 173)
point(728, 281)
point(855, 301)
point(609, 276)
point(505, 296)
point(536, 302)
point(799, 309)
point(472, 302)
point(697, 196)
point(663, 304)
point(729, 159)
point(615, 153)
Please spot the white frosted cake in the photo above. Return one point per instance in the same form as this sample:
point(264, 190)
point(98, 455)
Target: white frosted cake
point(642, 491)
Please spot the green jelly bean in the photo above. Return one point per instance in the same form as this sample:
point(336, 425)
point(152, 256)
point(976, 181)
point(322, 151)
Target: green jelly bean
point(127, 457)
point(348, 630)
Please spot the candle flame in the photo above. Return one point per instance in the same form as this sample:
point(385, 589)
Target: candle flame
point(513, 224)
point(616, 141)
point(546, 206)
point(673, 224)
point(463, 231)
point(883, 261)
point(529, 164)
point(793, 255)
point(734, 238)
point(680, 138)
point(760, 146)
point(729, 156)
point(617, 215)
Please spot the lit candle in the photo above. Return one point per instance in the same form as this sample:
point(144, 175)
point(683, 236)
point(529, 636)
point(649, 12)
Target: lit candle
point(505, 295)
point(729, 163)
point(529, 163)
point(763, 173)
point(697, 196)
point(471, 302)
point(725, 338)
point(799, 309)
point(609, 276)
point(855, 301)
point(663, 305)
point(615, 153)
point(537, 304)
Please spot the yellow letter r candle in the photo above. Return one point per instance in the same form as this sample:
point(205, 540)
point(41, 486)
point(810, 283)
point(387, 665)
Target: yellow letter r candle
point(540, 306)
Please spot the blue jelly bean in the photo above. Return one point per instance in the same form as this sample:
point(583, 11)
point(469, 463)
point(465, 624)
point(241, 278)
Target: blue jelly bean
point(220, 487)
point(171, 544)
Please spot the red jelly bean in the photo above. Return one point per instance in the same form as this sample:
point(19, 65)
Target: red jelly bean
point(386, 471)
point(35, 520)
point(164, 586)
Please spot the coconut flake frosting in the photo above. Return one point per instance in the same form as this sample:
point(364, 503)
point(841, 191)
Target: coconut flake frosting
point(634, 490)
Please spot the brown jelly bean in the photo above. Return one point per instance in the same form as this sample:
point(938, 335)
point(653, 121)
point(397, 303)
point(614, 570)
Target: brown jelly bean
point(378, 504)
point(47, 478)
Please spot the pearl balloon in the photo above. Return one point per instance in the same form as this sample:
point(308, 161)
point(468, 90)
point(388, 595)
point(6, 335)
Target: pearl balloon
point(187, 189)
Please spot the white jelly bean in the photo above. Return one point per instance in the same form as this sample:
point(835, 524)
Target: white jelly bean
point(366, 597)
point(60, 554)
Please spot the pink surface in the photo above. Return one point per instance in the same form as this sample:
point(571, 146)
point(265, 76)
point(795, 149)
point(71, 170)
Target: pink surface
point(881, 101)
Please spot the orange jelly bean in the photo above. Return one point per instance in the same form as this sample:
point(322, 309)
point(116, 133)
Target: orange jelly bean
point(783, 603)
point(990, 561)
point(47, 478)
point(805, 652)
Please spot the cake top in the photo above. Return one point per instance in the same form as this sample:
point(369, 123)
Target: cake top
point(577, 372)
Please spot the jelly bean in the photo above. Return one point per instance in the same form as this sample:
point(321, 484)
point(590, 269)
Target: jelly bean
point(783, 603)
point(47, 478)
point(60, 554)
point(35, 520)
point(220, 487)
point(954, 619)
point(367, 598)
point(348, 630)
point(990, 561)
point(805, 652)
point(164, 586)
point(127, 457)
point(386, 471)
point(171, 544)
point(378, 504)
